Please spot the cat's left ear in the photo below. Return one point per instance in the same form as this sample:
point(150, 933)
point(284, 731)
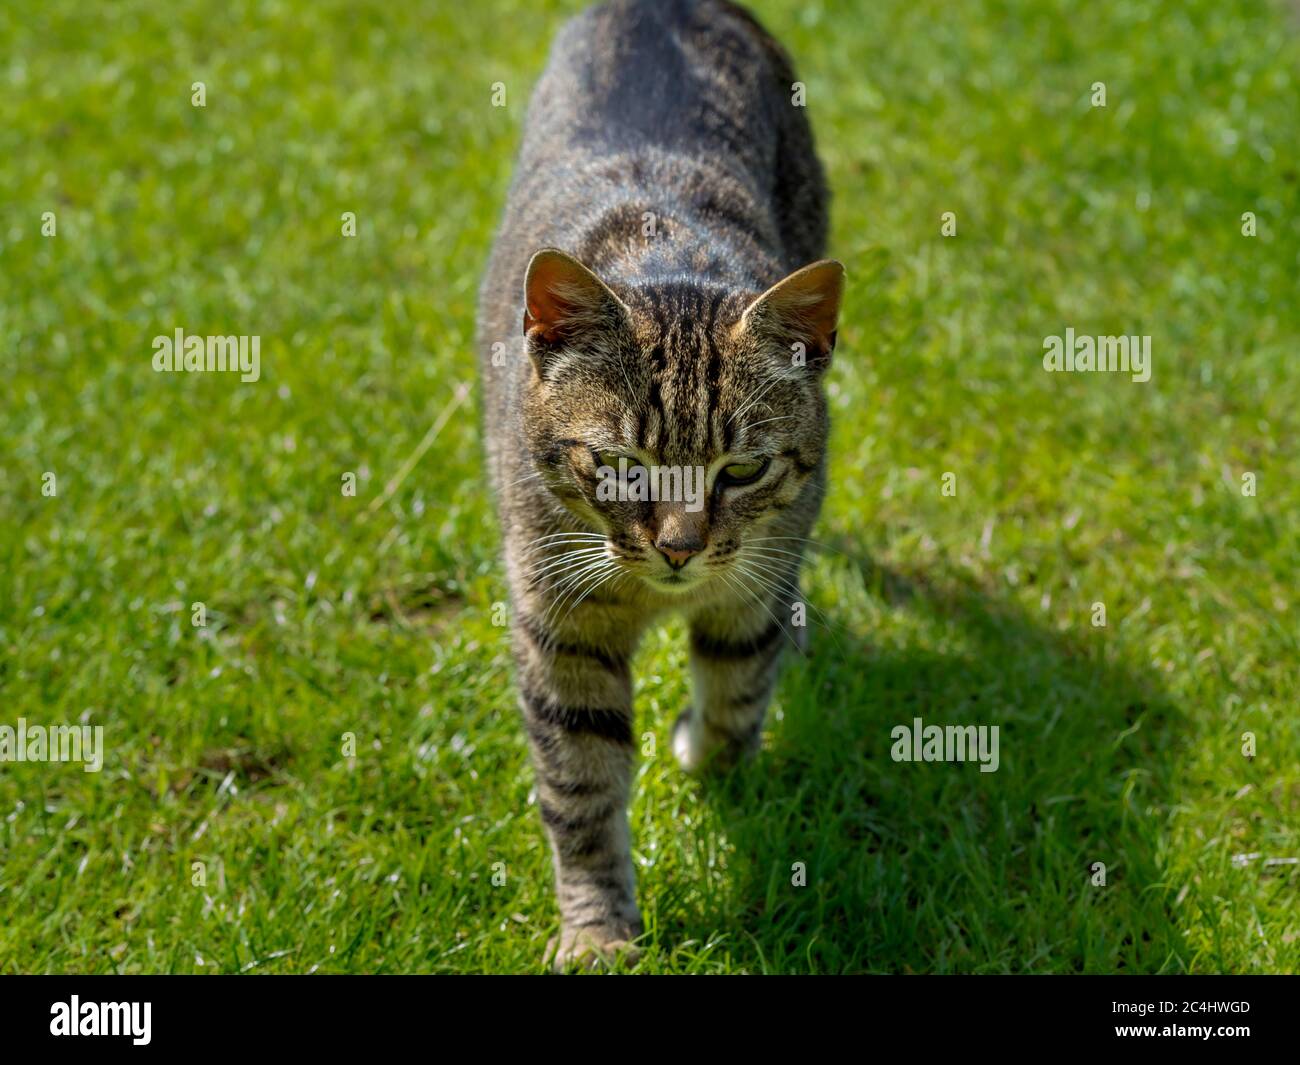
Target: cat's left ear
point(803, 308)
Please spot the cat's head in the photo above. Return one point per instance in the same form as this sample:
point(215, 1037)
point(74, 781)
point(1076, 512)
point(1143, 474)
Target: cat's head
point(708, 398)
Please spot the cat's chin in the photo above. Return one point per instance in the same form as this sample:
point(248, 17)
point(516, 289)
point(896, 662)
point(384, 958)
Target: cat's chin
point(674, 585)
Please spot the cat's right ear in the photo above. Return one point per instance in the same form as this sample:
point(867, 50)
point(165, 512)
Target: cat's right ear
point(563, 300)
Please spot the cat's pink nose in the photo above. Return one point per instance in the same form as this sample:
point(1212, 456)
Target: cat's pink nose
point(679, 553)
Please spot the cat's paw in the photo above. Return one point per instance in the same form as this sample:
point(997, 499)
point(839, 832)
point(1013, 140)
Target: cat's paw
point(592, 947)
point(687, 748)
point(698, 750)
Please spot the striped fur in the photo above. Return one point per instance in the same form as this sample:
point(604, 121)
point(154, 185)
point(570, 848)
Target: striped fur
point(695, 342)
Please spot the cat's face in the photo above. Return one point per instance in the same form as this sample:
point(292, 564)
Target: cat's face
point(678, 421)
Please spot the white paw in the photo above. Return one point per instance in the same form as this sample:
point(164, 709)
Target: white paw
point(686, 743)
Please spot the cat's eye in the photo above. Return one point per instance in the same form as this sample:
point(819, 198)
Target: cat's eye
point(611, 459)
point(743, 472)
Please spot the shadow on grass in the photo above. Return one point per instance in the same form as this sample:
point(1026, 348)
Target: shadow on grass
point(929, 866)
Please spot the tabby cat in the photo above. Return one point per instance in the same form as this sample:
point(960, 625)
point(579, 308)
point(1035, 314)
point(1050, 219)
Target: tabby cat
point(642, 304)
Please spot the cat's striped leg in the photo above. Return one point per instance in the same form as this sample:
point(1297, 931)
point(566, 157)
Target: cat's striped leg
point(735, 659)
point(576, 696)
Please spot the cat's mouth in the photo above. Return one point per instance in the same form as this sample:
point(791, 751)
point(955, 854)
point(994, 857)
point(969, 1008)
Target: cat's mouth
point(674, 580)
point(674, 583)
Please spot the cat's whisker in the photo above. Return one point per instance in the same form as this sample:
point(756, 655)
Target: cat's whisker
point(778, 418)
point(565, 606)
point(799, 539)
point(764, 578)
point(734, 585)
point(818, 544)
point(791, 590)
point(760, 600)
point(563, 536)
point(559, 573)
point(774, 552)
point(766, 385)
point(775, 556)
point(550, 561)
point(593, 555)
point(570, 583)
point(779, 581)
point(785, 566)
point(542, 552)
point(560, 548)
point(565, 562)
point(612, 572)
point(622, 366)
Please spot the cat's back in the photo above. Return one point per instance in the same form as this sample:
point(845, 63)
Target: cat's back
point(682, 75)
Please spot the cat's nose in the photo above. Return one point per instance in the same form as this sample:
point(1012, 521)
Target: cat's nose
point(679, 552)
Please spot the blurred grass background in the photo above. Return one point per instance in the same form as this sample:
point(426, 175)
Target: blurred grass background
point(330, 615)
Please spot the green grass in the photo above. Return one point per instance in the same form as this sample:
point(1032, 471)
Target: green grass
point(330, 615)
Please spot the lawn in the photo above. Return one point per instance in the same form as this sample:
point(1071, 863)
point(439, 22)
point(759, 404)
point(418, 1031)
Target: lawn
point(329, 775)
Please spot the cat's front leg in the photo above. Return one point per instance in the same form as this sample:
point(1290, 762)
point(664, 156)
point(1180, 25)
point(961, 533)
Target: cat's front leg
point(576, 695)
point(735, 658)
